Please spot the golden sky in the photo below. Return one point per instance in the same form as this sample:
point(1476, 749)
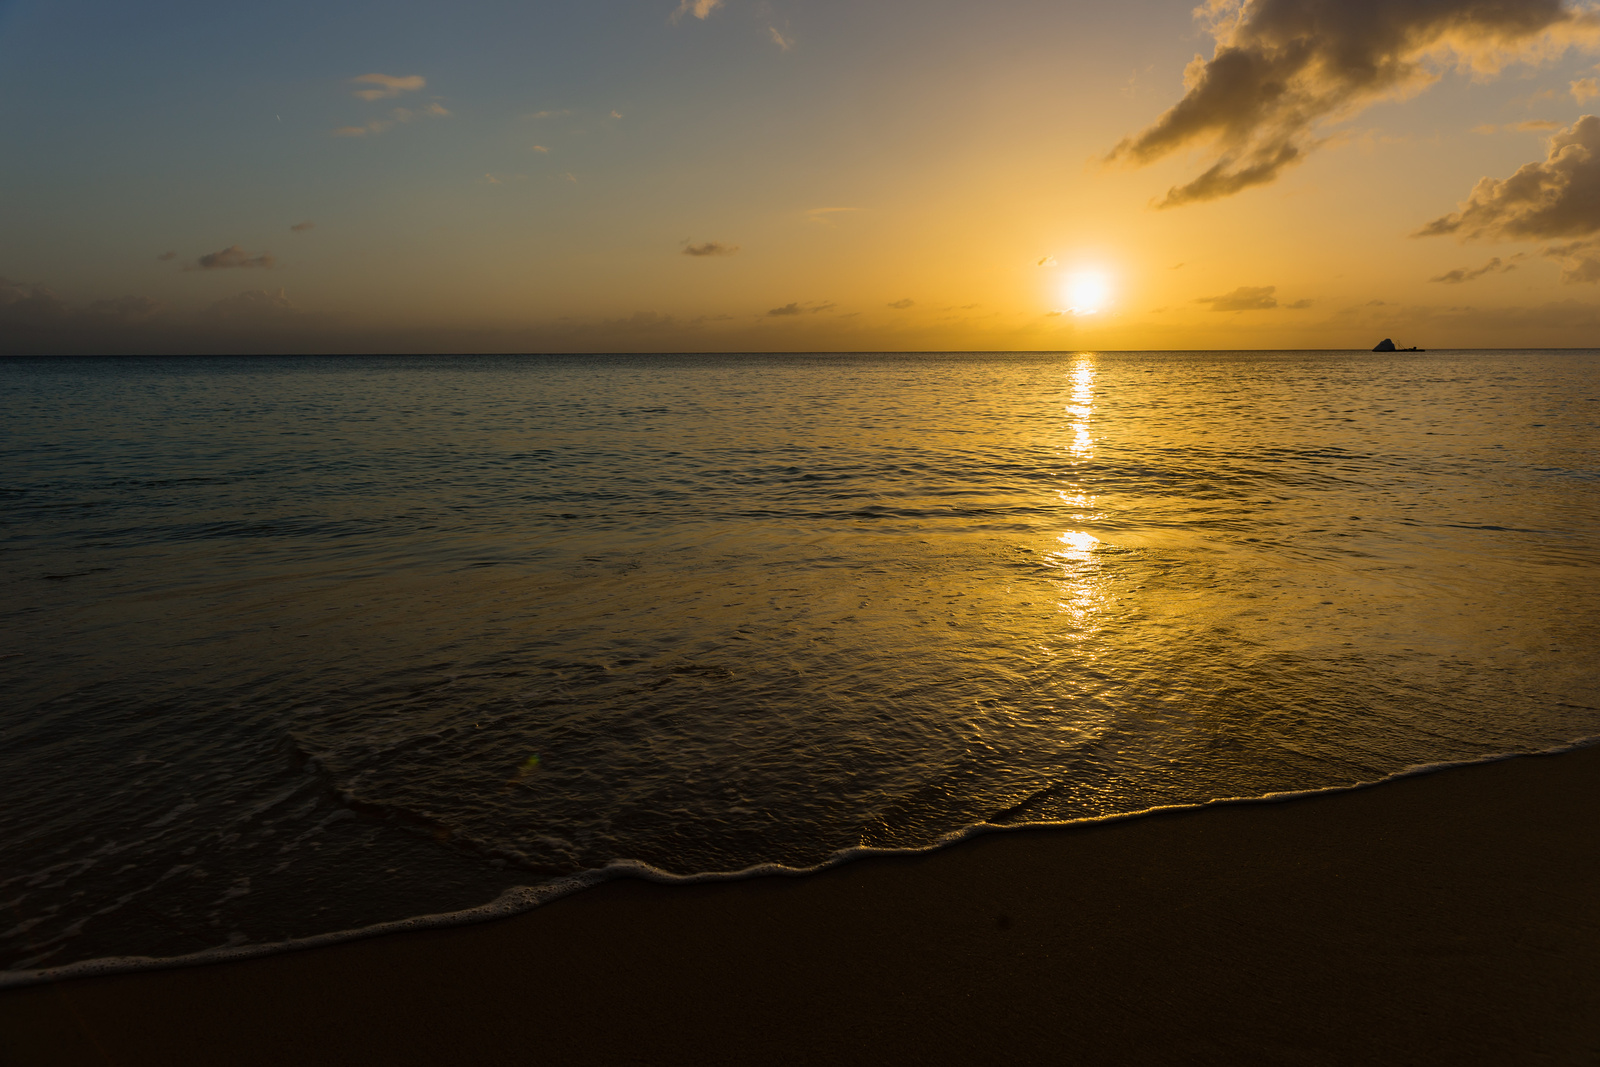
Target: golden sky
point(763, 176)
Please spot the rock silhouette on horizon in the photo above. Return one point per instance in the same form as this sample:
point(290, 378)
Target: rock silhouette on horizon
point(1384, 345)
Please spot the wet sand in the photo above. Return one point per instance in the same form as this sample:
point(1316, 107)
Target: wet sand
point(1447, 918)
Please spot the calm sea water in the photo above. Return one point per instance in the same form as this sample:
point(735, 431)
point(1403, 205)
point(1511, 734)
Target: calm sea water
point(295, 645)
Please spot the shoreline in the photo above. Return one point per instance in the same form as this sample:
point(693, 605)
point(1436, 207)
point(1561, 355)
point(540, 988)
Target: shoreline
point(1447, 915)
point(522, 899)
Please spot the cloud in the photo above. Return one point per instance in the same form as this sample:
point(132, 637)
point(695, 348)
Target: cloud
point(1244, 298)
point(1559, 197)
point(540, 149)
point(1525, 126)
point(22, 304)
point(1584, 89)
point(550, 114)
point(801, 309)
point(698, 8)
point(1047, 261)
point(398, 115)
point(302, 227)
point(387, 85)
point(233, 256)
point(783, 43)
point(253, 307)
point(710, 248)
point(1580, 260)
point(1463, 274)
point(901, 305)
point(124, 310)
point(1281, 67)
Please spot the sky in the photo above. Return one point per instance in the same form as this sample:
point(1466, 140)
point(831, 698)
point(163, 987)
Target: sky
point(768, 175)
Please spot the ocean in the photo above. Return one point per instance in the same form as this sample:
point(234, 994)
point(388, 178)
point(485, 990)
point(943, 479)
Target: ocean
point(298, 647)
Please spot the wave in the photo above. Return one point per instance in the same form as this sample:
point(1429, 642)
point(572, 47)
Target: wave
point(520, 899)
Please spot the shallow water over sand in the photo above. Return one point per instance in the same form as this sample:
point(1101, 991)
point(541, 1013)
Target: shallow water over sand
point(300, 645)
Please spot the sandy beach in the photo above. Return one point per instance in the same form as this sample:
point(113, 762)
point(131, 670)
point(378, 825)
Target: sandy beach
point(1447, 918)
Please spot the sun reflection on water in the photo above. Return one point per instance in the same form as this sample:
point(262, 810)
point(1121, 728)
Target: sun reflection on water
point(1082, 585)
point(1081, 408)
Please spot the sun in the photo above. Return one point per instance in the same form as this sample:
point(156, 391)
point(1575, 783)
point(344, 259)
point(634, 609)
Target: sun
point(1087, 292)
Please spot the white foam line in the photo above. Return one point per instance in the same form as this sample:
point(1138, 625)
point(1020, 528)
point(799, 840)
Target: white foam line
point(518, 899)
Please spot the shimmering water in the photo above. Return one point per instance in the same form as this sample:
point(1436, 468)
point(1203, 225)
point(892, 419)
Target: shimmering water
point(301, 645)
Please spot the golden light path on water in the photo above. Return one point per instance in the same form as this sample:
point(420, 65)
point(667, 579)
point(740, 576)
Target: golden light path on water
point(1082, 589)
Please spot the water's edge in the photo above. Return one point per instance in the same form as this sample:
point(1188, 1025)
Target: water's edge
point(519, 899)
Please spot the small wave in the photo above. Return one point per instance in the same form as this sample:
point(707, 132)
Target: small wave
point(519, 899)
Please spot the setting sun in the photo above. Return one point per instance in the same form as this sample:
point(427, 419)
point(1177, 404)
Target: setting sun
point(1087, 292)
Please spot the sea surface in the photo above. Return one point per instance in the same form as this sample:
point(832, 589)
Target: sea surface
point(296, 646)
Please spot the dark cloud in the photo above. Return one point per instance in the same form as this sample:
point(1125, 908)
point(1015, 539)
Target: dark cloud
point(801, 309)
point(1559, 197)
point(1283, 66)
point(1244, 298)
point(123, 310)
point(253, 307)
point(1464, 274)
point(644, 320)
point(901, 305)
point(1580, 260)
point(25, 305)
point(387, 85)
point(710, 248)
point(233, 256)
point(302, 227)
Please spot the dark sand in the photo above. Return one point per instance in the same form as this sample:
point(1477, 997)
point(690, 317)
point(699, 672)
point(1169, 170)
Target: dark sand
point(1452, 918)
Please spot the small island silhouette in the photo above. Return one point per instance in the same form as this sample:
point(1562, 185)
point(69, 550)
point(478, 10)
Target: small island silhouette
point(1387, 345)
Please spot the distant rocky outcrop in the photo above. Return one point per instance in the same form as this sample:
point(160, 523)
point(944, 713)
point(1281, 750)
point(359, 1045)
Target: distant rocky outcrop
point(1384, 345)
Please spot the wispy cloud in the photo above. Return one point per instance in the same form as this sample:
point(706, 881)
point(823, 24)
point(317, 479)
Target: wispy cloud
point(783, 41)
point(386, 85)
point(397, 116)
point(253, 307)
point(1525, 126)
point(1244, 298)
point(123, 310)
point(825, 215)
point(22, 304)
point(710, 248)
point(541, 149)
point(233, 257)
point(800, 309)
point(1281, 67)
point(1464, 274)
point(1047, 261)
point(901, 305)
point(1584, 89)
point(302, 227)
point(698, 8)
